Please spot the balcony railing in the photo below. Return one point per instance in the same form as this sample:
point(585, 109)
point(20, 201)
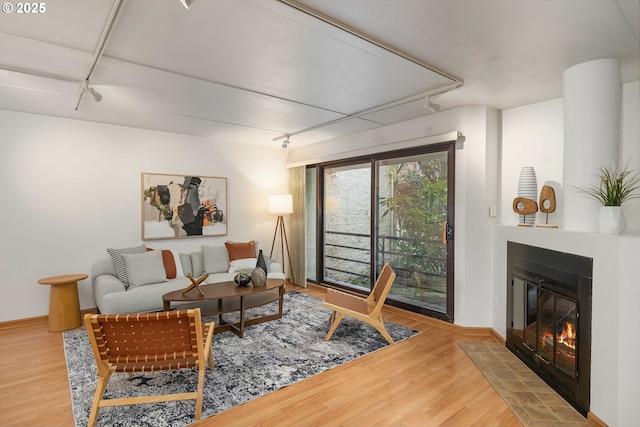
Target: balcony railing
point(420, 276)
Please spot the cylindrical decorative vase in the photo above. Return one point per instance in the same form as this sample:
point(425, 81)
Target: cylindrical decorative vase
point(611, 220)
point(528, 188)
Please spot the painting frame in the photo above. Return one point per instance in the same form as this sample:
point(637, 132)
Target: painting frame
point(178, 206)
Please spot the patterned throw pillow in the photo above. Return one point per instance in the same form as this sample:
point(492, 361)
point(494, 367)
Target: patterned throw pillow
point(118, 260)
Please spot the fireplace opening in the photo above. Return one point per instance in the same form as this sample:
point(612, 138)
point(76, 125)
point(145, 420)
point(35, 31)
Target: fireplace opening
point(549, 318)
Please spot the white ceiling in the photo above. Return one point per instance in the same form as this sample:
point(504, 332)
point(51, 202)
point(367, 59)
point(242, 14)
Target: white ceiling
point(251, 71)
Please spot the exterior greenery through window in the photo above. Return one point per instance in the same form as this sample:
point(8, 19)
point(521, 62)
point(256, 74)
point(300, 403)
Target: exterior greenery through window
point(410, 225)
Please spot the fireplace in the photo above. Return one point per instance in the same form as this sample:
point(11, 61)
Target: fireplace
point(549, 317)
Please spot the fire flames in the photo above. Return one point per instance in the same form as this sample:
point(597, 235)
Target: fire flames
point(566, 337)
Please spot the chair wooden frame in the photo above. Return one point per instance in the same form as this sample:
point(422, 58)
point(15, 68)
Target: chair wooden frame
point(368, 310)
point(148, 342)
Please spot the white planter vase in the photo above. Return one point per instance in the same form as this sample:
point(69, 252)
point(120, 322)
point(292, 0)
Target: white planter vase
point(611, 220)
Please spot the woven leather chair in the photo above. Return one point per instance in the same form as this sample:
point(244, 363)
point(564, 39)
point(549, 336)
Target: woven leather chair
point(368, 309)
point(148, 342)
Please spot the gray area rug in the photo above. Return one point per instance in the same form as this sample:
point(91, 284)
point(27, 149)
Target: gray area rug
point(272, 355)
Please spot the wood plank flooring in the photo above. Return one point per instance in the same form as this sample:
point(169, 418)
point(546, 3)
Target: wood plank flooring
point(427, 380)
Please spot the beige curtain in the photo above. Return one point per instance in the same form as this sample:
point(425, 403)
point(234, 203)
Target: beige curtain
point(297, 184)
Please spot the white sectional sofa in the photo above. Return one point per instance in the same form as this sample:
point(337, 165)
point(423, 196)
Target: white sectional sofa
point(146, 271)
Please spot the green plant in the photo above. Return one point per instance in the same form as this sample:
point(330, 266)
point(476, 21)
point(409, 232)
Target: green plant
point(242, 278)
point(243, 275)
point(615, 187)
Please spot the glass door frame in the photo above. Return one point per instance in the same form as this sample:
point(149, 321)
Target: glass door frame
point(447, 146)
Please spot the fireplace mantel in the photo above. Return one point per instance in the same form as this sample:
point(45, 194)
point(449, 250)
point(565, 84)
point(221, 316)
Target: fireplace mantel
point(615, 389)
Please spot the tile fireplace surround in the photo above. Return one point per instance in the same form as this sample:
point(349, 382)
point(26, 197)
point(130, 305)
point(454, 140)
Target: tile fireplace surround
point(615, 373)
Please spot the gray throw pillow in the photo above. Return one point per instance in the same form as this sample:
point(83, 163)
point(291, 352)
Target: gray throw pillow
point(145, 269)
point(216, 259)
point(118, 260)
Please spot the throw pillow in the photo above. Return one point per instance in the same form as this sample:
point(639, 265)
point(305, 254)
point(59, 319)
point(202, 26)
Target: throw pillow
point(169, 264)
point(178, 262)
point(145, 269)
point(244, 264)
point(241, 250)
point(215, 259)
point(118, 260)
point(172, 263)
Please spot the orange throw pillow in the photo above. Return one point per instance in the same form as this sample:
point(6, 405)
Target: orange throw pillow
point(241, 250)
point(169, 263)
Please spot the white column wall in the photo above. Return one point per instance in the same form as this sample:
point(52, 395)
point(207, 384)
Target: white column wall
point(71, 189)
point(592, 101)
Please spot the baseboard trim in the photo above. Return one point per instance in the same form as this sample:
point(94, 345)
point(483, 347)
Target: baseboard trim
point(23, 322)
point(9, 324)
point(436, 323)
point(594, 420)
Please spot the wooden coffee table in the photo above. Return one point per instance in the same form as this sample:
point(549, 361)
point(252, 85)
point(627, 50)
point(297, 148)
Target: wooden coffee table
point(227, 297)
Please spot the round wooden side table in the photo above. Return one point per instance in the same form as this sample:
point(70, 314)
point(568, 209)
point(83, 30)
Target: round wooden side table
point(64, 304)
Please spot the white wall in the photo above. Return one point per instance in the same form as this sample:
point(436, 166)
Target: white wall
point(533, 135)
point(479, 124)
point(71, 189)
point(630, 147)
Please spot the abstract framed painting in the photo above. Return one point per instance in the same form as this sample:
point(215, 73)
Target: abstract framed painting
point(183, 206)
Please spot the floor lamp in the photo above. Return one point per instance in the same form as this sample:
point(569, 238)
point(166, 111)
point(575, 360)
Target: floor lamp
point(281, 204)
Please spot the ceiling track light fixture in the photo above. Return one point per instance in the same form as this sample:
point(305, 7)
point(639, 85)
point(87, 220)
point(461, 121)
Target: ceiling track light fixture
point(92, 92)
point(187, 3)
point(435, 108)
point(286, 142)
point(397, 103)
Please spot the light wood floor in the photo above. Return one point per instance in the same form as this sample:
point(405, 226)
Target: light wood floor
point(427, 380)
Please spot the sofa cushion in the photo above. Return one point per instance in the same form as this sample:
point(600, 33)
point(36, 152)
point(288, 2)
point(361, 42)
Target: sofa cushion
point(245, 264)
point(188, 263)
point(238, 250)
point(118, 260)
point(145, 269)
point(215, 259)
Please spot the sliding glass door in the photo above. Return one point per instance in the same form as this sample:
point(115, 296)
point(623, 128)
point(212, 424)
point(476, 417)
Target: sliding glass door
point(347, 225)
point(412, 216)
point(394, 208)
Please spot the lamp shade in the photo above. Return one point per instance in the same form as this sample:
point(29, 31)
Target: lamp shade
point(280, 204)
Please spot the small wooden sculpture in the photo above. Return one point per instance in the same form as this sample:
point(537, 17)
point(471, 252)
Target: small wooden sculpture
point(524, 206)
point(547, 205)
point(195, 283)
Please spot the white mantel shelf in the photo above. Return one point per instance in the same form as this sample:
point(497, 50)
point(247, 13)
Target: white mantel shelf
point(615, 373)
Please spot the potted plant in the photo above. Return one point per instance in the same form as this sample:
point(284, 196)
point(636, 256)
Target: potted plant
point(242, 278)
point(614, 189)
